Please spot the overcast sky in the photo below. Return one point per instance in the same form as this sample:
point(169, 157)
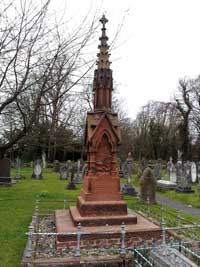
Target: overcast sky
point(160, 44)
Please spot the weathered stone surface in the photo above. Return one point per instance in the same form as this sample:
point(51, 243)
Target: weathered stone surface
point(148, 186)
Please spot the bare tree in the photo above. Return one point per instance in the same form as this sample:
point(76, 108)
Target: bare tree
point(36, 62)
point(184, 106)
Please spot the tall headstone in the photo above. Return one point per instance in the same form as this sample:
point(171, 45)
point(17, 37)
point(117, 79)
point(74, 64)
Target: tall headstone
point(5, 172)
point(37, 170)
point(183, 183)
point(63, 173)
point(44, 162)
point(187, 170)
point(18, 175)
point(198, 170)
point(169, 166)
point(127, 188)
point(194, 177)
point(69, 168)
point(148, 186)
point(71, 185)
point(172, 174)
point(77, 178)
point(158, 170)
point(128, 167)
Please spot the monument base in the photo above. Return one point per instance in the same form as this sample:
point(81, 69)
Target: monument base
point(103, 235)
point(5, 181)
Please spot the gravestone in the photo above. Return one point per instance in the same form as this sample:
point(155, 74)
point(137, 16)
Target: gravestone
point(69, 168)
point(166, 256)
point(5, 172)
point(169, 166)
point(63, 173)
point(148, 186)
point(71, 185)
point(127, 188)
point(77, 178)
point(198, 170)
point(172, 175)
point(166, 185)
point(37, 170)
point(187, 170)
point(56, 166)
point(128, 168)
point(158, 170)
point(194, 177)
point(44, 163)
point(18, 175)
point(183, 185)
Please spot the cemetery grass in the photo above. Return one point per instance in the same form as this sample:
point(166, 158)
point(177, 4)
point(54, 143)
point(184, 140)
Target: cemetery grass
point(17, 206)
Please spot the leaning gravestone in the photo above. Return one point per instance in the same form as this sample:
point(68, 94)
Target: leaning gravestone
point(194, 173)
point(5, 172)
point(148, 186)
point(37, 170)
point(63, 173)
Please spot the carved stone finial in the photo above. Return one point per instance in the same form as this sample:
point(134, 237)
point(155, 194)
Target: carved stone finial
point(103, 20)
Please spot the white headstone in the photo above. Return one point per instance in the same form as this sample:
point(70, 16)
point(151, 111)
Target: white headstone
point(37, 170)
point(193, 172)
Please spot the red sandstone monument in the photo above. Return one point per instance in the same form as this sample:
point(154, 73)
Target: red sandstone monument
point(100, 207)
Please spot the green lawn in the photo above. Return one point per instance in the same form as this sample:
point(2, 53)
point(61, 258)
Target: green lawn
point(16, 210)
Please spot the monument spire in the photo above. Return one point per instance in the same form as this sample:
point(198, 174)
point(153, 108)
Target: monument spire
point(102, 85)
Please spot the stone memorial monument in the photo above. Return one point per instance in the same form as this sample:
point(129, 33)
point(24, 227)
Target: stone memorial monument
point(158, 170)
point(172, 171)
point(37, 170)
point(187, 170)
point(198, 170)
point(101, 211)
point(18, 175)
point(44, 162)
point(71, 185)
point(5, 172)
point(77, 177)
point(63, 173)
point(183, 180)
point(127, 188)
point(101, 203)
point(194, 177)
point(148, 186)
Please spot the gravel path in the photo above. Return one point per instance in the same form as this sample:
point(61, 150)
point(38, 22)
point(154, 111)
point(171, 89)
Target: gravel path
point(178, 205)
